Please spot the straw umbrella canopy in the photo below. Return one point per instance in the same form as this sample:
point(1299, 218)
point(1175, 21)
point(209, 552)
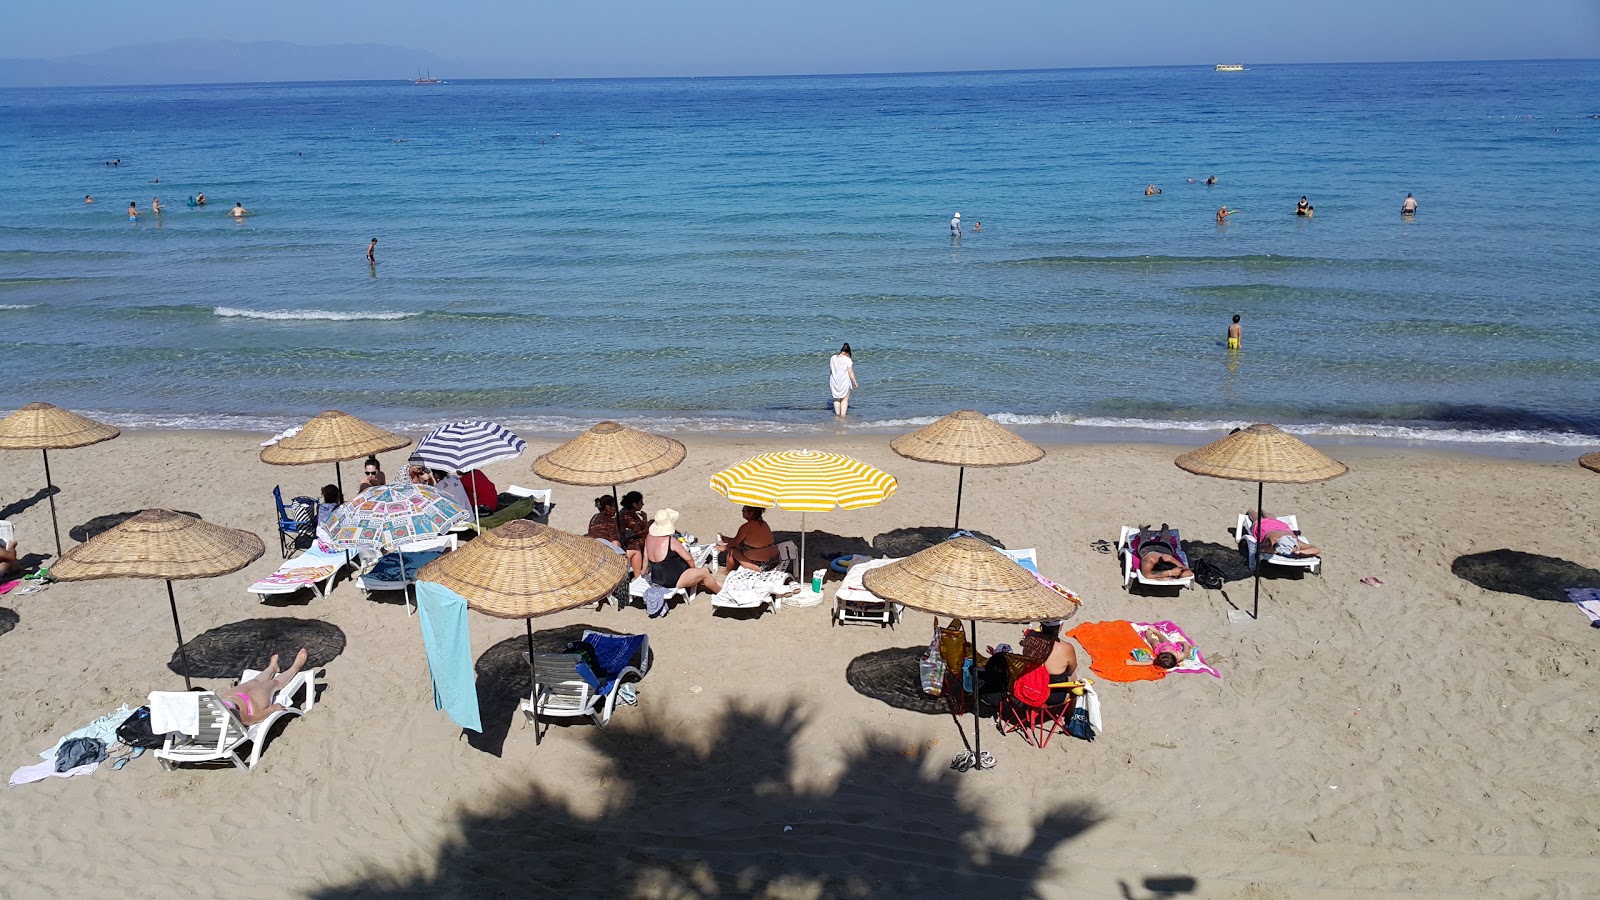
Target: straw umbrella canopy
point(523, 569)
point(610, 453)
point(965, 438)
point(968, 579)
point(804, 481)
point(160, 543)
point(1262, 453)
point(43, 427)
point(1590, 461)
point(332, 436)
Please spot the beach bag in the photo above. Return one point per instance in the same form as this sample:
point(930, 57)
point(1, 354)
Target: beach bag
point(135, 730)
point(931, 667)
point(1209, 575)
point(1032, 687)
point(1078, 726)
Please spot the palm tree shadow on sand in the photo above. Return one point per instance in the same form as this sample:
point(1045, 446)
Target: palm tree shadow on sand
point(887, 829)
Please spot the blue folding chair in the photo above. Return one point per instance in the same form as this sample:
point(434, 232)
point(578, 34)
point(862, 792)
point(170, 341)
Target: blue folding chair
point(289, 527)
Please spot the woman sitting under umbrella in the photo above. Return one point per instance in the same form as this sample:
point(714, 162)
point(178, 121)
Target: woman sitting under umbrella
point(670, 564)
point(752, 546)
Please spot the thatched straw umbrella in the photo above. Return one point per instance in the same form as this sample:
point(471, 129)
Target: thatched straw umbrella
point(332, 436)
point(1261, 453)
point(610, 454)
point(971, 580)
point(42, 427)
point(523, 569)
point(160, 543)
point(965, 438)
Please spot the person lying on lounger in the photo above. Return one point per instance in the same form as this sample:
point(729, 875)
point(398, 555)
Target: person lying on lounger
point(1276, 534)
point(1158, 556)
point(252, 701)
point(10, 566)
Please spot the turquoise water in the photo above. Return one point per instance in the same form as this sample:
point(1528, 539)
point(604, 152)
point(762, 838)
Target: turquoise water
point(687, 253)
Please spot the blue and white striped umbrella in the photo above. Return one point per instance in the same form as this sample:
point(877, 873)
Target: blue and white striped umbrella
point(464, 446)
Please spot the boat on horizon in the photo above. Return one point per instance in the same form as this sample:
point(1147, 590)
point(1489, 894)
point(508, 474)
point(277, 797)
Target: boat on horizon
point(1230, 67)
point(426, 79)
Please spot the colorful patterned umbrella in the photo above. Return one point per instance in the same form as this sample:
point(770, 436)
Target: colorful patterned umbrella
point(389, 515)
point(804, 481)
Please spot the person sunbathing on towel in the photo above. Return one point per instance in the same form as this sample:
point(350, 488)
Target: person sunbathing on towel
point(252, 701)
point(752, 546)
point(1168, 651)
point(10, 566)
point(1158, 556)
point(1277, 534)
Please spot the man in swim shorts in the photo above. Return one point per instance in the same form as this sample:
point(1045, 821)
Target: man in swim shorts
point(238, 211)
point(1409, 206)
point(1235, 333)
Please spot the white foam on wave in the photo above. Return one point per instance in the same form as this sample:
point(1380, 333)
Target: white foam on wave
point(308, 315)
point(712, 424)
point(11, 306)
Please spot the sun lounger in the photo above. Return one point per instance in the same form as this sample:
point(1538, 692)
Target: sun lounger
point(222, 734)
point(749, 589)
point(560, 691)
point(1130, 561)
point(704, 555)
point(315, 569)
point(530, 504)
point(1245, 532)
point(415, 555)
point(852, 602)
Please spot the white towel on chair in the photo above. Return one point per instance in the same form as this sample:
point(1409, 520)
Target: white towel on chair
point(175, 711)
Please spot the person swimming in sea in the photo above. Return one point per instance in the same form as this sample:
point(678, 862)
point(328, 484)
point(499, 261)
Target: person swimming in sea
point(1235, 333)
point(1223, 214)
point(155, 206)
point(238, 211)
point(955, 225)
point(1408, 207)
point(1303, 208)
point(88, 198)
point(133, 212)
point(1211, 180)
point(1151, 190)
point(200, 199)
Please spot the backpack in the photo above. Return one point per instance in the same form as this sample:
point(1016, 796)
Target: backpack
point(1209, 575)
point(135, 730)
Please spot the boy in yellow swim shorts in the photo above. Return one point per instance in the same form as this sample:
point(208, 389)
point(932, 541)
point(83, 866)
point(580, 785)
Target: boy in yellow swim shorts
point(1235, 332)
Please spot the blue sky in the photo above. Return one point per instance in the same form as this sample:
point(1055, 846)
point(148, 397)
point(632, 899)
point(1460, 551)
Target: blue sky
point(518, 38)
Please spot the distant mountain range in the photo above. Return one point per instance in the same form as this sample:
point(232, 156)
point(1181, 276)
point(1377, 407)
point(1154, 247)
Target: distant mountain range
point(217, 62)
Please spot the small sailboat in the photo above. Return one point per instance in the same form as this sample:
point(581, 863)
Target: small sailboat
point(426, 79)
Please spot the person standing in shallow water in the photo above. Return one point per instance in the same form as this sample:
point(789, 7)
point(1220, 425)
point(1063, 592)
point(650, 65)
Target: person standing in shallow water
point(841, 379)
point(1235, 333)
point(372, 251)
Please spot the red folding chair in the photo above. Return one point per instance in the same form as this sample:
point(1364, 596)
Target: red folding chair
point(1036, 721)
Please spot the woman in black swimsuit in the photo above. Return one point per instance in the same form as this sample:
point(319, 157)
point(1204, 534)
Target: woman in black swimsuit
point(752, 546)
point(668, 559)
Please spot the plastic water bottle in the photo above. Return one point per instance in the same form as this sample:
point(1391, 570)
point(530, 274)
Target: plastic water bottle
point(816, 580)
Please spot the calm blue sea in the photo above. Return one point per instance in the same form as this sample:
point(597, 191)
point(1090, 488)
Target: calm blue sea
point(687, 253)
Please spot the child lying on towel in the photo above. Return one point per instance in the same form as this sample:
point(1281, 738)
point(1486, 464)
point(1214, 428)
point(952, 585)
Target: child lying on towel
point(1166, 650)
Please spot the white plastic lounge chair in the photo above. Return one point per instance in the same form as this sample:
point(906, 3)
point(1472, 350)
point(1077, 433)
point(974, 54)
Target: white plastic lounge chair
point(852, 602)
point(222, 734)
point(315, 569)
point(749, 589)
point(1130, 564)
point(559, 692)
point(1245, 532)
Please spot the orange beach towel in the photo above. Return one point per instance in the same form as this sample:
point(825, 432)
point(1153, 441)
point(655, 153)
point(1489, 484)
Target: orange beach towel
point(1110, 646)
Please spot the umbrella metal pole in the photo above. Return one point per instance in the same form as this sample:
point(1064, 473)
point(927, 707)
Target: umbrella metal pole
point(977, 730)
point(406, 592)
point(178, 630)
point(802, 572)
point(338, 478)
point(961, 480)
point(50, 491)
point(529, 623)
point(1255, 612)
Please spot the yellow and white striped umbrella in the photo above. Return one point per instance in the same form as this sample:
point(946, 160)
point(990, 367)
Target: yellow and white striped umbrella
point(804, 481)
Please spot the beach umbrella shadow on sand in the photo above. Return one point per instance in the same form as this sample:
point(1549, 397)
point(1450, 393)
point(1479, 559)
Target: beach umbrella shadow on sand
point(1261, 453)
point(902, 542)
point(42, 427)
point(893, 676)
point(1526, 574)
point(967, 439)
point(8, 620)
point(503, 680)
point(160, 543)
point(970, 580)
point(227, 650)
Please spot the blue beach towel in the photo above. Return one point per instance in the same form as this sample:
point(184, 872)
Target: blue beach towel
point(442, 614)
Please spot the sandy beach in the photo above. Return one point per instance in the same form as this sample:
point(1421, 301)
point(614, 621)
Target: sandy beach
point(1430, 737)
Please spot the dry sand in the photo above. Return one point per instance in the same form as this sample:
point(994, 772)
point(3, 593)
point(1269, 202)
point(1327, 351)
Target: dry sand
point(1430, 737)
